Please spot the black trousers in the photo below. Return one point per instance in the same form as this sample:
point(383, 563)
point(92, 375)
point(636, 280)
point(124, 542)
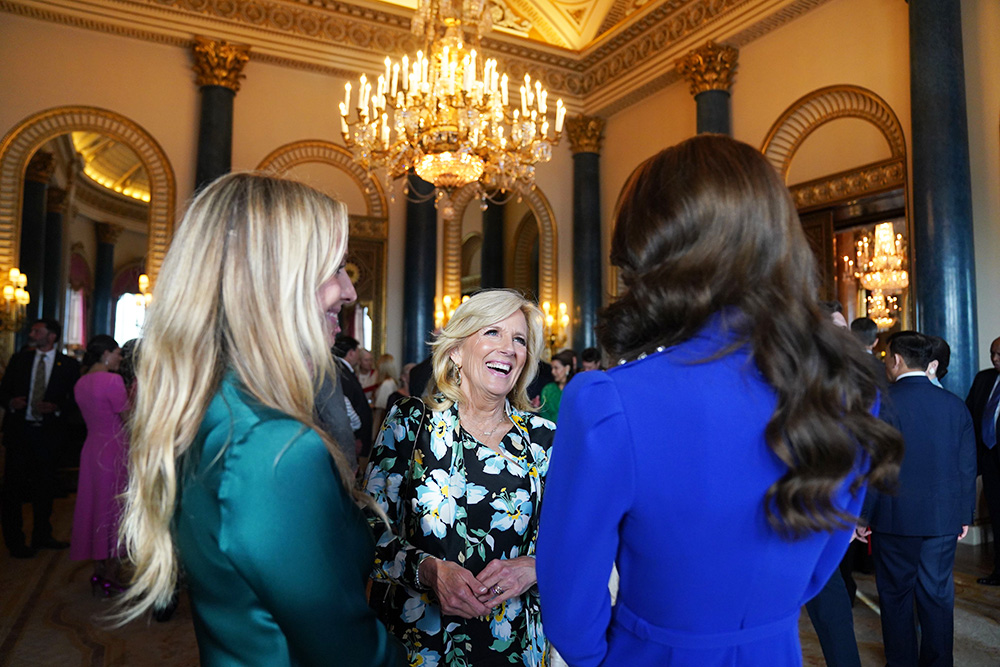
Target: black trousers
point(29, 476)
point(913, 569)
point(989, 466)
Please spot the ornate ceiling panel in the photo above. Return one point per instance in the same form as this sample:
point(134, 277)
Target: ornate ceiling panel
point(600, 56)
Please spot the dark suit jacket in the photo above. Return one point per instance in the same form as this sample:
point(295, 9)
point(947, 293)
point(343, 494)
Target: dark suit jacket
point(979, 394)
point(356, 395)
point(59, 390)
point(937, 479)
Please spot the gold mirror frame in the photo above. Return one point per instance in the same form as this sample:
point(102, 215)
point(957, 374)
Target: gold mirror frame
point(819, 107)
point(369, 233)
point(547, 244)
point(20, 143)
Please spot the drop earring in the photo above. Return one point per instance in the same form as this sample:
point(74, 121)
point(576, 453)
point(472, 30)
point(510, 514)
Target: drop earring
point(458, 375)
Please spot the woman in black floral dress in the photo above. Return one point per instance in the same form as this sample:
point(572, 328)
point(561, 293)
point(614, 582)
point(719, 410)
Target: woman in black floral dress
point(461, 479)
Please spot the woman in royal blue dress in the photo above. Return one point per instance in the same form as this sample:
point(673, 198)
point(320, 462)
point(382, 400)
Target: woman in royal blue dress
point(722, 464)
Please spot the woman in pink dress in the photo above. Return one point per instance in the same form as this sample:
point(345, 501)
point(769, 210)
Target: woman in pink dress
point(103, 400)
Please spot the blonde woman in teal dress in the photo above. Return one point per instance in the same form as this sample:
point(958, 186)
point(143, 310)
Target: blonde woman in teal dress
point(231, 479)
point(461, 477)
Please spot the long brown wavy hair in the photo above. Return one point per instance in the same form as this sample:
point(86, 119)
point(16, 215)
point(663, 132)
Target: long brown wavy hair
point(708, 225)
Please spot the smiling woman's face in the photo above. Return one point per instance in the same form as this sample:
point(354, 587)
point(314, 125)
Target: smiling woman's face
point(492, 358)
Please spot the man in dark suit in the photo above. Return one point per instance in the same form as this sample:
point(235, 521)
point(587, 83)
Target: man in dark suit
point(984, 404)
point(345, 351)
point(37, 393)
point(914, 532)
point(866, 331)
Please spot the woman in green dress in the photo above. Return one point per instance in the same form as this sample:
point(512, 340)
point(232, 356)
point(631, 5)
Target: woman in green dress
point(461, 480)
point(231, 481)
point(562, 371)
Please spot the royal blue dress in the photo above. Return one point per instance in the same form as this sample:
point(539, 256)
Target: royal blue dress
point(660, 466)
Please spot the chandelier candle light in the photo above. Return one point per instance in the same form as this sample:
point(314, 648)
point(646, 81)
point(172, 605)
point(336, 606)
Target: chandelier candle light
point(446, 114)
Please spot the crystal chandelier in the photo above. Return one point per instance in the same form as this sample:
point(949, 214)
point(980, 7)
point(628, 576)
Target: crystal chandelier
point(446, 113)
point(880, 265)
point(882, 309)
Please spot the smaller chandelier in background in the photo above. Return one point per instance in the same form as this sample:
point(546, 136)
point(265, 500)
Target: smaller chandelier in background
point(880, 263)
point(882, 309)
point(16, 299)
point(446, 114)
point(145, 296)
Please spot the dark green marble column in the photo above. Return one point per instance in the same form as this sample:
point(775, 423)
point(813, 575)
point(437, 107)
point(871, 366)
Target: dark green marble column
point(104, 274)
point(585, 136)
point(710, 70)
point(493, 241)
point(52, 284)
point(219, 66)
point(944, 261)
point(34, 206)
point(419, 270)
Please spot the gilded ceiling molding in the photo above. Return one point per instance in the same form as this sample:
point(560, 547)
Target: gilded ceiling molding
point(41, 167)
point(547, 243)
point(108, 232)
point(284, 158)
point(88, 194)
point(870, 179)
point(585, 133)
point(55, 200)
point(710, 67)
point(219, 63)
point(505, 18)
point(35, 130)
point(821, 106)
point(76, 21)
point(535, 19)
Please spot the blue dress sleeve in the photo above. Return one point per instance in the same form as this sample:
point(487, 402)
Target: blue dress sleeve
point(294, 534)
point(589, 489)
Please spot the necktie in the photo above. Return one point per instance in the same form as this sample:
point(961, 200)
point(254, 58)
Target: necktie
point(38, 387)
point(989, 418)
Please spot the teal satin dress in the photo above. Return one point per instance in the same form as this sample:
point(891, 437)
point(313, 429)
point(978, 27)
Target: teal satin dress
point(274, 551)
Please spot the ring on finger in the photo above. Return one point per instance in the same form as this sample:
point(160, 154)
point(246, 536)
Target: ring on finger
point(497, 589)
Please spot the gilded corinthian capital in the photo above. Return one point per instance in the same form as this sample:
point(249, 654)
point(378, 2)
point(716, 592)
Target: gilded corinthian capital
point(41, 166)
point(108, 232)
point(709, 68)
point(219, 63)
point(585, 133)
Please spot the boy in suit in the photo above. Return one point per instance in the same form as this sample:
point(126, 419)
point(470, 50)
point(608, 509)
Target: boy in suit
point(914, 532)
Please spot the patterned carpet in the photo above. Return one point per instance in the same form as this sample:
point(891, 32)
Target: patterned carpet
point(49, 618)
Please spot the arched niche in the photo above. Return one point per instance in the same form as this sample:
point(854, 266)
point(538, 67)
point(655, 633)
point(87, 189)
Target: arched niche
point(826, 205)
point(547, 259)
point(20, 143)
point(368, 232)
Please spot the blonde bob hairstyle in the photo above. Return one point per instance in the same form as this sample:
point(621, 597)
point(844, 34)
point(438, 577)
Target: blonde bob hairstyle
point(480, 311)
point(237, 293)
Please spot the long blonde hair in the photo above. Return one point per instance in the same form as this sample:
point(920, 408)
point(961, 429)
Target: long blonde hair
point(481, 310)
point(237, 291)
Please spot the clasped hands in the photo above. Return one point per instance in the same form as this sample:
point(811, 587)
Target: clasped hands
point(462, 594)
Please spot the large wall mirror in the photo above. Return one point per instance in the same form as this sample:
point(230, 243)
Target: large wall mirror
point(89, 209)
point(853, 208)
point(331, 169)
point(527, 256)
point(515, 257)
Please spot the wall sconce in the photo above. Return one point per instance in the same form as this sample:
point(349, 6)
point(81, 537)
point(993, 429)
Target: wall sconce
point(145, 297)
point(15, 299)
point(556, 324)
point(446, 309)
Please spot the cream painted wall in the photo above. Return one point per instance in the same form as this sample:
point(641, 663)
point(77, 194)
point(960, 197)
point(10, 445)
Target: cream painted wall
point(981, 36)
point(47, 65)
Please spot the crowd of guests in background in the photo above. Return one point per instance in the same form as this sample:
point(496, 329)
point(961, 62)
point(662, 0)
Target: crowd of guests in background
point(324, 505)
